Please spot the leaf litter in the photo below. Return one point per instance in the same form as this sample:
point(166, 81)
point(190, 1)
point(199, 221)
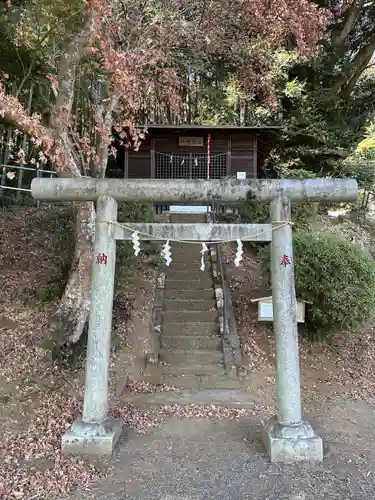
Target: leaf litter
point(39, 402)
point(39, 399)
point(340, 366)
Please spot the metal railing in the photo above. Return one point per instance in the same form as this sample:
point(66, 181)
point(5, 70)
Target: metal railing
point(230, 328)
point(231, 337)
point(20, 186)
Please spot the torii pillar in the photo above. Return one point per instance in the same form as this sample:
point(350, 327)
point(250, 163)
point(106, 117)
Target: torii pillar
point(287, 437)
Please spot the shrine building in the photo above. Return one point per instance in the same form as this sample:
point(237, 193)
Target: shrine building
point(198, 152)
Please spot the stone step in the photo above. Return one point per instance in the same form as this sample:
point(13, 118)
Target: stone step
point(228, 398)
point(189, 305)
point(189, 294)
point(188, 274)
point(191, 342)
point(188, 262)
point(203, 284)
point(191, 252)
point(188, 271)
point(188, 251)
point(197, 328)
point(182, 382)
point(189, 316)
point(186, 247)
point(196, 369)
point(200, 382)
point(180, 357)
point(221, 382)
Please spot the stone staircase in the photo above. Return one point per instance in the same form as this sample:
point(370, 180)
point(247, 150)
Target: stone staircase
point(191, 354)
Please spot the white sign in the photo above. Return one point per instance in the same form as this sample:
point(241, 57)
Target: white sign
point(191, 141)
point(187, 209)
point(266, 311)
point(241, 176)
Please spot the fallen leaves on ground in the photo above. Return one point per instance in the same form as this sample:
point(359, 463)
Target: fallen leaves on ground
point(32, 461)
point(211, 412)
point(142, 387)
point(40, 401)
point(33, 464)
point(343, 366)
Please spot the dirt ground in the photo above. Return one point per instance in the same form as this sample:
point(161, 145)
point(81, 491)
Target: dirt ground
point(39, 399)
point(342, 366)
point(198, 452)
point(202, 458)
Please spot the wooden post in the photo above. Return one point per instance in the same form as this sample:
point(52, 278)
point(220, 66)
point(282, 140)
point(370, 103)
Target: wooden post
point(24, 145)
point(152, 159)
point(126, 163)
point(255, 160)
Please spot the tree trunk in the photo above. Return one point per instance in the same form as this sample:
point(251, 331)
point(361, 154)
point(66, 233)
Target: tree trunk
point(67, 323)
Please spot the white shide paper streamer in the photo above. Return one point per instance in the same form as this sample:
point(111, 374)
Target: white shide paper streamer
point(203, 251)
point(166, 254)
point(136, 245)
point(239, 253)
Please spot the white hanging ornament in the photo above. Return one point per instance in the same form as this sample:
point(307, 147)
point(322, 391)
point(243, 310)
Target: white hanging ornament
point(166, 254)
point(203, 251)
point(239, 253)
point(136, 245)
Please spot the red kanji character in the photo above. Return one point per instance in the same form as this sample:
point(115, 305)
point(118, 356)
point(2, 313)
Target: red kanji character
point(285, 261)
point(101, 258)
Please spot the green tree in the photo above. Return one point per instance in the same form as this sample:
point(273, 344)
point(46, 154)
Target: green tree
point(361, 166)
point(325, 122)
point(101, 63)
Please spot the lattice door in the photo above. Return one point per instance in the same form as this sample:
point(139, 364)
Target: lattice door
point(189, 166)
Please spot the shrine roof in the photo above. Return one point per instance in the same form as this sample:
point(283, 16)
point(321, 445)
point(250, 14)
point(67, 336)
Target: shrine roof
point(151, 127)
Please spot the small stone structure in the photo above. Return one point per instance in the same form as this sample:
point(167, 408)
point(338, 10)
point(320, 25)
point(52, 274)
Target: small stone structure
point(287, 436)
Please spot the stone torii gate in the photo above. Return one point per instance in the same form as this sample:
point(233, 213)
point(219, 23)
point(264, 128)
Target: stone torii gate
point(287, 436)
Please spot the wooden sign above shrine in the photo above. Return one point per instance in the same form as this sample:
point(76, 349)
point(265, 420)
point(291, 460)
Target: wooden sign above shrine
point(190, 141)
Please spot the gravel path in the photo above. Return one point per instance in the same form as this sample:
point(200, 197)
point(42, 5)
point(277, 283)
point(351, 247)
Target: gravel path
point(200, 459)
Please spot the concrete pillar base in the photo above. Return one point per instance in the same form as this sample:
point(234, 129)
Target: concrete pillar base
point(91, 438)
point(286, 443)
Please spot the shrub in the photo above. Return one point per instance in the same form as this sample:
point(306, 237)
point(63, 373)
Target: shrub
point(253, 211)
point(338, 277)
point(135, 212)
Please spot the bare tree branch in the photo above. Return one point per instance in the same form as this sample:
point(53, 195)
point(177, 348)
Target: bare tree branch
point(349, 78)
point(340, 34)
